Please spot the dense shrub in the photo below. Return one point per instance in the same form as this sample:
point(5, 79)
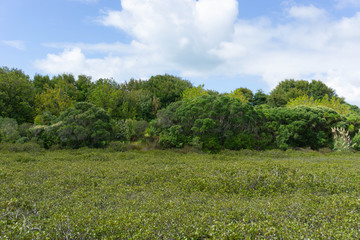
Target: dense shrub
point(136, 129)
point(45, 135)
point(84, 125)
point(8, 130)
point(208, 122)
point(121, 131)
point(301, 126)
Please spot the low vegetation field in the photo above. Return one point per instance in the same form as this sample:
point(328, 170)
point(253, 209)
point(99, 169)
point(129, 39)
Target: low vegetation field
point(97, 194)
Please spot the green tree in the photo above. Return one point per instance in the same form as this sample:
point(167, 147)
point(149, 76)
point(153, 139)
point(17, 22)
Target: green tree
point(68, 84)
point(244, 94)
point(194, 92)
point(41, 83)
point(209, 122)
point(290, 89)
point(166, 88)
point(84, 86)
point(301, 126)
point(259, 98)
point(55, 100)
point(103, 93)
point(16, 95)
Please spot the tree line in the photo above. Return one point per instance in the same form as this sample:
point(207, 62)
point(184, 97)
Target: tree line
point(72, 112)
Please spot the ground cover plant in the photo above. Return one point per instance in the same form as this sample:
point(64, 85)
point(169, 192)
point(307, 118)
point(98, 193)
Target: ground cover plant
point(102, 194)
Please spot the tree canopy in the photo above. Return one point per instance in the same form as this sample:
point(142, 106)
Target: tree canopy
point(290, 88)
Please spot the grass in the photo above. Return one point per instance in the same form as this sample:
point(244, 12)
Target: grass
point(94, 194)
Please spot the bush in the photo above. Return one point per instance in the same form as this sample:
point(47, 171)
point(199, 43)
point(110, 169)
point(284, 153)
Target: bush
point(356, 141)
point(301, 126)
point(84, 125)
point(137, 129)
point(46, 136)
point(8, 130)
point(121, 131)
point(209, 122)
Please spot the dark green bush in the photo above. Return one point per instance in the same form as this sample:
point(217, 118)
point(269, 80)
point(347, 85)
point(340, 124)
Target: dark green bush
point(137, 129)
point(84, 125)
point(208, 122)
point(356, 141)
point(301, 126)
point(46, 136)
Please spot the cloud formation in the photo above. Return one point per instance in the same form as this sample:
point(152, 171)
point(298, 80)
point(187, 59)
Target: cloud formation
point(19, 45)
point(348, 3)
point(207, 37)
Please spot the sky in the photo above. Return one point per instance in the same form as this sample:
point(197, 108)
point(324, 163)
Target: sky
point(224, 44)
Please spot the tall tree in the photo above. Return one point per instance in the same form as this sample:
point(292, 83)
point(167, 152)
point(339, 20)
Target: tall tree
point(290, 89)
point(244, 94)
point(84, 86)
point(16, 95)
point(55, 100)
point(166, 88)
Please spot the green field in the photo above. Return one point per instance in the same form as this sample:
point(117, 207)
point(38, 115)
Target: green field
point(95, 194)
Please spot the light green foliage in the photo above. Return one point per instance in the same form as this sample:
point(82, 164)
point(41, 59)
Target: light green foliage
point(342, 139)
point(290, 89)
point(244, 94)
point(194, 92)
point(54, 100)
point(68, 84)
point(45, 118)
point(105, 94)
point(16, 95)
point(301, 126)
point(333, 103)
point(84, 125)
point(92, 194)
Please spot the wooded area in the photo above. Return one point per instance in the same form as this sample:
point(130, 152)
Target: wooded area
point(65, 111)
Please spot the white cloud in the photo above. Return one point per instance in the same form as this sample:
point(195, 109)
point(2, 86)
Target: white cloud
point(348, 3)
point(307, 12)
point(200, 39)
point(20, 45)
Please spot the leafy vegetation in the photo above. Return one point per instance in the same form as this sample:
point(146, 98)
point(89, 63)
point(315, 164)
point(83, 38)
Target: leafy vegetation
point(290, 89)
point(94, 194)
point(207, 122)
point(170, 112)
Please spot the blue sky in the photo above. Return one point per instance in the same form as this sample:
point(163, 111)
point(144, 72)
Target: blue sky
point(224, 44)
